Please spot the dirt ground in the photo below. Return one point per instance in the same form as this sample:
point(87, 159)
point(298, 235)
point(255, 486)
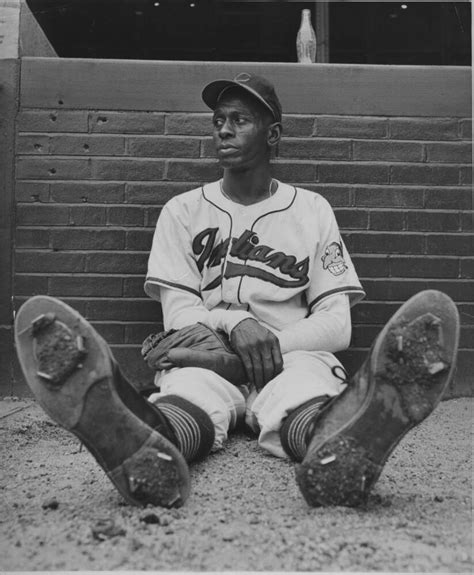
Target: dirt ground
point(60, 512)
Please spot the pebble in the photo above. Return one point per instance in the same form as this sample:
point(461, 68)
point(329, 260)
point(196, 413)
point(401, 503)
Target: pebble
point(105, 529)
point(51, 503)
point(228, 537)
point(150, 518)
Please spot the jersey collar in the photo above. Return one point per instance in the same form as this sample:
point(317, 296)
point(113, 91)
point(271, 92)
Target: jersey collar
point(280, 200)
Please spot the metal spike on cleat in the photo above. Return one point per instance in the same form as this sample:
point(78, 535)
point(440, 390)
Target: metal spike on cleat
point(42, 321)
point(43, 375)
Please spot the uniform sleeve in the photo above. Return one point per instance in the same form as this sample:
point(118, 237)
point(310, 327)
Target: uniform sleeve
point(171, 262)
point(332, 271)
point(181, 308)
point(327, 328)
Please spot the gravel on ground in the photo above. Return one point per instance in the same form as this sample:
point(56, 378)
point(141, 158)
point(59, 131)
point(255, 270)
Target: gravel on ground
point(60, 512)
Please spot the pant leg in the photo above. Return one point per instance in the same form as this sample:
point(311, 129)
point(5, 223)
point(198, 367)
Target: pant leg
point(222, 401)
point(306, 375)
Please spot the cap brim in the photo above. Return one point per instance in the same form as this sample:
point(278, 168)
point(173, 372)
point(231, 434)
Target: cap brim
point(213, 91)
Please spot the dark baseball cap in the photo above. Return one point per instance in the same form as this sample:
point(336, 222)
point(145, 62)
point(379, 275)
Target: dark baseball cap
point(257, 86)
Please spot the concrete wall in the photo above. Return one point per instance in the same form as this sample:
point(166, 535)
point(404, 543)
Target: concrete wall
point(9, 98)
point(101, 145)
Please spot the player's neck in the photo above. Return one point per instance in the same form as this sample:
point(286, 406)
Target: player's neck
point(248, 187)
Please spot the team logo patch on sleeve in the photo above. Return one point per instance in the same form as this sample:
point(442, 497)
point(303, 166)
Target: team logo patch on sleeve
point(333, 259)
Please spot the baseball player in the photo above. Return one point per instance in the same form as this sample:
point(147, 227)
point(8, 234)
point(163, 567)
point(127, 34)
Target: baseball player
point(262, 261)
point(261, 265)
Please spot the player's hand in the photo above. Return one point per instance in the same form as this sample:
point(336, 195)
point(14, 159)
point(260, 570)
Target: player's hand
point(259, 350)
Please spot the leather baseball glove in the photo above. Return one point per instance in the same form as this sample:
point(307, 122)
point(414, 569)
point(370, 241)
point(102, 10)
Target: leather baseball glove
point(196, 345)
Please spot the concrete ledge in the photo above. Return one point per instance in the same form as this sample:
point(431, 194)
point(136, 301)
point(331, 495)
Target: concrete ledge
point(304, 89)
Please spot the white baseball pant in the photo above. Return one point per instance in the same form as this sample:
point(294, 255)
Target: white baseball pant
point(305, 375)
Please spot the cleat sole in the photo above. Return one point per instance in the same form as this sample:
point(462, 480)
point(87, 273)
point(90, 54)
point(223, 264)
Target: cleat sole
point(398, 386)
point(54, 340)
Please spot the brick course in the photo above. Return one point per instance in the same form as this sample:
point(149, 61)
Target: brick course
point(85, 286)
point(423, 266)
point(27, 191)
point(163, 147)
point(190, 124)
point(336, 194)
point(433, 221)
point(423, 129)
point(126, 122)
point(465, 129)
point(388, 197)
point(298, 126)
point(448, 199)
point(91, 184)
point(447, 244)
point(356, 173)
point(467, 268)
point(377, 151)
point(423, 175)
point(449, 152)
point(49, 262)
point(316, 149)
point(117, 262)
point(351, 127)
point(387, 220)
point(53, 121)
point(86, 192)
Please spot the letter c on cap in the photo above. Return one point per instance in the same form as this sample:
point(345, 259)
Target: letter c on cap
point(242, 77)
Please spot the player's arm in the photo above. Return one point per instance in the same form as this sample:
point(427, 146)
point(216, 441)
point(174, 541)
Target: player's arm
point(327, 328)
point(257, 347)
point(181, 308)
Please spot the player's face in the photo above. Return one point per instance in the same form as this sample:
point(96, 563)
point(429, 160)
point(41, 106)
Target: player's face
point(241, 132)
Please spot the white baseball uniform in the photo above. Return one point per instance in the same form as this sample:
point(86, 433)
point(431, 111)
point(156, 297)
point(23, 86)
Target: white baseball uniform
point(280, 261)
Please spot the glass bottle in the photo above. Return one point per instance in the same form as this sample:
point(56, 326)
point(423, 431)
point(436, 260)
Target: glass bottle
point(306, 39)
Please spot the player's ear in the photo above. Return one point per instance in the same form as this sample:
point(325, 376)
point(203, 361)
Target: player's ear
point(274, 134)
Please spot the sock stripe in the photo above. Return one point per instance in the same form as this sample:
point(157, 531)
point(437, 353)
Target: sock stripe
point(192, 426)
point(186, 429)
point(294, 431)
point(298, 429)
point(168, 413)
point(297, 435)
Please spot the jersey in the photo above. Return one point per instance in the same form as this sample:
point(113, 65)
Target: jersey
point(275, 259)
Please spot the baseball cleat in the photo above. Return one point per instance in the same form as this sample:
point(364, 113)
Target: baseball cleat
point(402, 380)
point(75, 378)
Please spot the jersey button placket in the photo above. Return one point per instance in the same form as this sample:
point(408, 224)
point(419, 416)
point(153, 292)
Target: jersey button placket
point(228, 293)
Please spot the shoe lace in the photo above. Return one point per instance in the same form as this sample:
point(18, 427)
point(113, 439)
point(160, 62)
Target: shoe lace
point(340, 373)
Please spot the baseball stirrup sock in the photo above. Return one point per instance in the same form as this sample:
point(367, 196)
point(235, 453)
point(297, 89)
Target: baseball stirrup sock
point(295, 428)
point(192, 425)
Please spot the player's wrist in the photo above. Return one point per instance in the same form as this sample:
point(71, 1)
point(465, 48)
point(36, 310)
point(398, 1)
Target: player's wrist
point(227, 320)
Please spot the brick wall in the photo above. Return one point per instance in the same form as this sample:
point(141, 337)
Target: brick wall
point(90, 184)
